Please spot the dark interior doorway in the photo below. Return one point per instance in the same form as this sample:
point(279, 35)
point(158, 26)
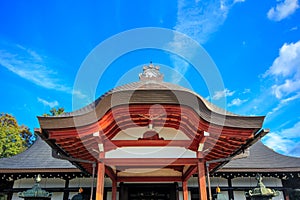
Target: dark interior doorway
point(153, 191)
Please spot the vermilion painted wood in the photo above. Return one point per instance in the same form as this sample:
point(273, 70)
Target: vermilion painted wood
point(149, 179)
point(100, 182)
point(109, 172)
point(185, 190)
point(80, 143)
point(202, 180)
point(191, 170)
point(114, 190)
point(149, 161)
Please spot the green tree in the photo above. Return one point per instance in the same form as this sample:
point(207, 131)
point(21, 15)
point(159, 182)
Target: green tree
point(55, 112)
point(13, 138)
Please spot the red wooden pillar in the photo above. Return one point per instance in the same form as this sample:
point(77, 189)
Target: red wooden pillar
point(114, 190)
point(185, 191)
point(100, 181)
point(202, 180)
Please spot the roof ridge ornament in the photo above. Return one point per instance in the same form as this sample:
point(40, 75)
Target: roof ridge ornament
point(151, 73)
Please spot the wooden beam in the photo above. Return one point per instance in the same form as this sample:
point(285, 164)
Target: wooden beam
point(149, 179)
point(149, 161)
point(66, 192)
point(185, 191)
point(113, 144)
point(109, 172)
point(201, 180)
point(114, 190)
point(100, 181)
point(189, 172)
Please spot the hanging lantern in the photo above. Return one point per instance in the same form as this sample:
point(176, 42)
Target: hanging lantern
point(218, 189)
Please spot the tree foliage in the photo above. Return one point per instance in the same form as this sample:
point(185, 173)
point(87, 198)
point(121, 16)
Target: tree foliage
point(55, 112)
point(13, 138)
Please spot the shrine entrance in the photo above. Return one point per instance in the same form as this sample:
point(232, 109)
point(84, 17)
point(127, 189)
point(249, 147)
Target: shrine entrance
point(149, 132)
point(149, 191)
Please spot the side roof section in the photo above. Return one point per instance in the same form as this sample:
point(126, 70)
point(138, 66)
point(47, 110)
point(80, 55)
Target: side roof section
point(38, 156)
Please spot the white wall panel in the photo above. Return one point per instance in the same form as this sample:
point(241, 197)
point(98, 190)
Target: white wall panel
point(239, 195)
point(45, 183)
point(244, 182)
point(109, 196)
point(81, 182)
point(181, 195)
point(215, 181)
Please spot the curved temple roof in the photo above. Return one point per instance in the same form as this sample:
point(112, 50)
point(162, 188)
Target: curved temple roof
point(150, 90)
point(137, 105)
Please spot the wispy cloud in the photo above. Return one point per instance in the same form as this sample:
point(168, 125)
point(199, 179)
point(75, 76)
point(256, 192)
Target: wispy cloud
point(288, 87)
point(295, 151)
point(48, 103)
point(246, 90)
point(279, 143)
point(282, 103)
point(198, 20)
point(283, 9)
point(283, 141)
point(222, 94)
point(32, 66)
point(237, 102)
point(294, 28)
point(238, 1)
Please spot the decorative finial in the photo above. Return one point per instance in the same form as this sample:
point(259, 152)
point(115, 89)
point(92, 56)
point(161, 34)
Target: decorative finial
point(151, 73)
point(38, 178)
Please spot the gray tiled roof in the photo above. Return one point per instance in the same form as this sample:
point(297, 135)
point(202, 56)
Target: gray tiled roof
point(144, 85)
point(262, 157)
point(149, 93)
point(38, 156)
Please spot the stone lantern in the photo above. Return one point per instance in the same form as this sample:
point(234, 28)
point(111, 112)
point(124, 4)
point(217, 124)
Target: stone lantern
point(36, 192)
point(261, 192)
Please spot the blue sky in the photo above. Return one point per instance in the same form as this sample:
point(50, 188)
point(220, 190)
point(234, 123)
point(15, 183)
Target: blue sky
point(254, 44)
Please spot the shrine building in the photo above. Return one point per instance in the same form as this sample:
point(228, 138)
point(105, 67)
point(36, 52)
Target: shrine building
point(149, 140)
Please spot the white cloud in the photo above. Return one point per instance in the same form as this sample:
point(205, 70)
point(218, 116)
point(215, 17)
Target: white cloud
point(294, 28)
point(279, 143)
point(286, 71)
point(246, 90)
point(237, 102)
point(288, 87)
point(283, 103)
point(287, 62)
point(31, 66)
point(283, 9)
point(283, 141)
point(180, 66)
point(238, 1)
point(292, 132)
point(199, 19)
point(296, 150)
point(182, 46)
point(48, 103)
point(222, 94)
